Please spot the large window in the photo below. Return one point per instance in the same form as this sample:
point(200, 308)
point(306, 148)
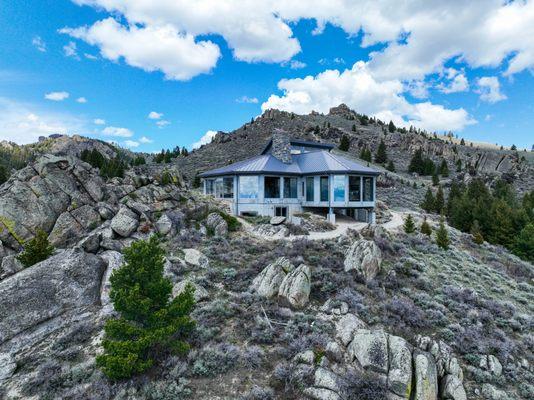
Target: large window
point(272, 187)
point(324, 188)
point(338, 182)
point(209, 186)
point(228, 188)
point(309, 189)
point(368, 188)
point(354, 188)
point(248, 187)
point(290, 188)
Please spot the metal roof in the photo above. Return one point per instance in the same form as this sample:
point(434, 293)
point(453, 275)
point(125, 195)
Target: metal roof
point(297, 142)
point(311, 163)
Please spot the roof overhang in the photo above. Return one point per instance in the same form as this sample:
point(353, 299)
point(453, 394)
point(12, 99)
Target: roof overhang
point(296, 142)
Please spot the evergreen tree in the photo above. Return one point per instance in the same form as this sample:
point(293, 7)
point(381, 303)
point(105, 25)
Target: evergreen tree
point(185, 152)
point(317, 130)
point(381, 155)
point(390, 166)
point(344, 143)
point(462, 142)
point(365, 154)
point(391, 127)
point(442, 236)
point(196, 181)
point(425, 228)
point(476, 233)
point(444, 168)
point(513, 148)
point(439, 203)
point(524, 243)
point(435, 180)
point(409, 225)
point(36, 250)
point(150, 325)
point(416, 163)
point(353, 128)
point(4, 176)
point(429, 203)
point(458, 165)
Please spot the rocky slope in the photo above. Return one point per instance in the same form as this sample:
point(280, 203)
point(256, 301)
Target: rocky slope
point(251, 138)
point(376, 314)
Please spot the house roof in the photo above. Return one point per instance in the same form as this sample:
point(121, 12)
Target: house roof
point(296, 142)
point(311, 163)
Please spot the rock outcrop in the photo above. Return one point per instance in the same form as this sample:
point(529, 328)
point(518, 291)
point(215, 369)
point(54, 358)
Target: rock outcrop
point(268, 282)
point(216, 224)
point(365, 257)
point(296, 287)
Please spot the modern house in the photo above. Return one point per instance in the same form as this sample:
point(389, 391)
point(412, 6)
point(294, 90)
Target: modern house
point(292, 176)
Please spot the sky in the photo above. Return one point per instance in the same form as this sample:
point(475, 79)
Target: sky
point(153, 74)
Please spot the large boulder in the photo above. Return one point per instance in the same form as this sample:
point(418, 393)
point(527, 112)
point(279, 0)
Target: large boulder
point(370, 350)
point(296, 286)
point(268, 282)
point(195, 258)
point(63, 282)
point(426, 377)
point(114, 260)
point(400, 366)
point(10, 266)
point(365, 257)
point(66, 231)
point(125, 222)
point(346, 326)
point(216, 224)
point(452, 388)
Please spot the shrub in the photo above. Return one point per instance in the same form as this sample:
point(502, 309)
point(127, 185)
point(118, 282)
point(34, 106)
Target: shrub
point(390, 167)
point(149, 324)
point(233, 223)
point(216, 360)
point(364, 387)
point(36, 250)
point(425, 228)
point(442, 237)
point(476, 233)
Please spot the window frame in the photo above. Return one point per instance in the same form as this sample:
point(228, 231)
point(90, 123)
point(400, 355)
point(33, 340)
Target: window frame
point(312, 180)
point(278, 178)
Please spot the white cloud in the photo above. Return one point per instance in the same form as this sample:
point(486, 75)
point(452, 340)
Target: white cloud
point(57, 96)
point(295, 64)
point(24, 123)
point(144, 139)
point(151, 48)
point(155, 115)
point(81, 100)
point(419, 36)
point(117, 131)
point(206, 139)
point(246, 99)
point(90, 56)
point(162, 123)
point(457, 82)
point(357, 88)
point(489, 89)
point(131, 143)
point(39, 44)
point(99, 121)
point(70, 50)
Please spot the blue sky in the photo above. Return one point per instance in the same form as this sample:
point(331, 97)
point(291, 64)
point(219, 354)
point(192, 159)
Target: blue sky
point(101, 67)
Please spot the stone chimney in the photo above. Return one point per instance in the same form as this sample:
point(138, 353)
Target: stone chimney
point(281, 147)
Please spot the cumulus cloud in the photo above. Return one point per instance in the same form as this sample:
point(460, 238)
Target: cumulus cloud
point(144, 139)
point(81, 100)
point(246, 99)
point(117, 131)
point(24, 123)
point(57, 96)
point(489, 89)
point(70, 50)
point(419, 36)
point(206, 139)
point(457, 82)
point(99, 121)
point(162, 123)
point(154, 115)
point(39, 44)
point(131, 143)
point(357, 88)
point(151, 48)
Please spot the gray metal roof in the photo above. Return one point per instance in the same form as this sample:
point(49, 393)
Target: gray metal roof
point(312, 163)
point(298, 142)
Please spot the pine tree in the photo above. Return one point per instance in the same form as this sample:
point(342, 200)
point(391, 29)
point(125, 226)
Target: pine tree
point(390, 166)
point(381, 155)
point(513, 148)
point(442, 236)
point(3, 174)
point(462, 142)
point(426, 228)
point(439, 203)
point(150, 324)
point(409, 225)
point(459, 165)
point(36, 250)
point(416, 163)
point(444, 168)
point(391, 127)
point(353, 128)
point(429, 202)
point(365, 154)
point(435, 180)
point(476, 233)
point(344, 143)
point(524, 243)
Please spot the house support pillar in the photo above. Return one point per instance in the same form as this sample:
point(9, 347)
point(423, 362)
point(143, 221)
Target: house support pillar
point(372, 217)
point(331, 217)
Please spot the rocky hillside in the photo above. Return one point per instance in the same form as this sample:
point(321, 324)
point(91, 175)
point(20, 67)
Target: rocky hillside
point(374, 313)
point(250, 139)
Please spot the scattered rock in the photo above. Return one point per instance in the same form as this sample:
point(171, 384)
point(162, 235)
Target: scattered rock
point(489, 363)
point(305, 357)
point(365, 257)
point(346, 326)
point(125, 222)
point(195, 258)
point(268, 282)
point(271, 231)
point(10, 266)
point(216, 223)
point(164, 225)
point(66, 231)
point(321, 394)
point(296, 286)
point(334, 351)
point(452, 388)
point(277, 220)
point(370, 349)
point(490, 392)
